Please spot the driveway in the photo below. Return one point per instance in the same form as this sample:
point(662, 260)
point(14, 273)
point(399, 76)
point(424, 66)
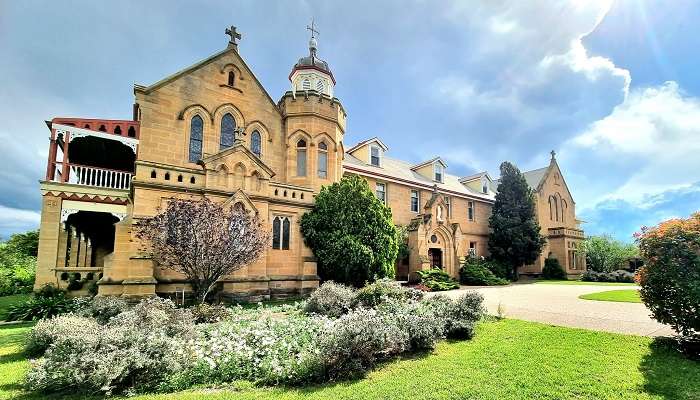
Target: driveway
point(560, 305)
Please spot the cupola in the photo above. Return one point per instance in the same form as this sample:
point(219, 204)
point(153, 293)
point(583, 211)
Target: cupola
point(311, 73)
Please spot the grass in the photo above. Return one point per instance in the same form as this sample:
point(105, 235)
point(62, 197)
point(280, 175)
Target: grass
point(507, 359)
point(7, 301)
point(621, 295)
point(555, 282)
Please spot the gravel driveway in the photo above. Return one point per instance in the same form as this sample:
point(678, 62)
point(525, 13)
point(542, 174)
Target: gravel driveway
point(560, 305)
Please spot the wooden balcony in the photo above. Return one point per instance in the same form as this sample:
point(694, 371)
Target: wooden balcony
point(92, 176)
point(565, 232)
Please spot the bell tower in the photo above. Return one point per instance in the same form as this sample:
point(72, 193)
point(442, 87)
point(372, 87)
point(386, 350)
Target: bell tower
point(314, 122)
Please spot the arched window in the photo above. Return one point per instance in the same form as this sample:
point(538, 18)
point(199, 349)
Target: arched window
point(231, 78)
point(301, 158)
point(306, 84)
point(323, 160)
point(319, 85)
point(280, 233)
point(196, 132)
point(228, 126)
point(255, 143)
point(564, 206)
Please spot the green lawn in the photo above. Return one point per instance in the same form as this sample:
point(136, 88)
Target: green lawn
point(7, 301)
point(547, 282)
point(623, 295)
point(508, 359)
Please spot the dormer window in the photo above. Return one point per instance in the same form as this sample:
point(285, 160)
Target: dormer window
point(437, 172)
point(375, 156)
point(484, 186)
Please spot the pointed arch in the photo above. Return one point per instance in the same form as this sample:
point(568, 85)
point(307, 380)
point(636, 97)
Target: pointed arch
point(228, 108)
point(196, 138)
point(228, 128)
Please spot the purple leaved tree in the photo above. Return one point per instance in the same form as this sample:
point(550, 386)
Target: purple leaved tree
point(203, 240)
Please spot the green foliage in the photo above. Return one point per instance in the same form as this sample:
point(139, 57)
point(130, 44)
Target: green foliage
point(18, 263)
point(515, 237)
point(605, 254)
point(437, 280)
point(402, 237)
point(381, 291)
point(553, 270)
point(351, 233)
point(37, 308)
point(614, 276)
point(330, 299)
point(670, 278)
point(475, 272)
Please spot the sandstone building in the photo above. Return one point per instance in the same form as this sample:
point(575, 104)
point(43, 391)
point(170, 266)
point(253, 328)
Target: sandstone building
point(213, 130)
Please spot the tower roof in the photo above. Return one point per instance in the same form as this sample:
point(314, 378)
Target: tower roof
point(312, 61)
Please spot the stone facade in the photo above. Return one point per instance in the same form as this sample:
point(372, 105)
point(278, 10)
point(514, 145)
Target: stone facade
point(212, 130)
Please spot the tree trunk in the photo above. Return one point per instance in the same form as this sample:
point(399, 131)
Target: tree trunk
point(201, 290)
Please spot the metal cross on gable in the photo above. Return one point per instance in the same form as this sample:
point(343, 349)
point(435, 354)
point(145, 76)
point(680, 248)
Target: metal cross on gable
point(234, 35)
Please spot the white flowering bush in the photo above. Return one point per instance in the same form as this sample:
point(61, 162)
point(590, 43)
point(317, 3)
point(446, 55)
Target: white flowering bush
point(102, 308)
point(465, 312)
point(422, 325)
point(382, 290)
point(47, 331)
point(330, 299)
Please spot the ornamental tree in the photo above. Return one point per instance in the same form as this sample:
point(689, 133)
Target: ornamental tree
point(203, 240)
point(515, 237)
point(351, 233)
point(670, 277)
point(605, 254)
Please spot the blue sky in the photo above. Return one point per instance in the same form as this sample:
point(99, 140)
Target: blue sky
point(611, 86)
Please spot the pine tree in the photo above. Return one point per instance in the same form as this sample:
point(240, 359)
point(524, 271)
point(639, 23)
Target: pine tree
point(515, 237)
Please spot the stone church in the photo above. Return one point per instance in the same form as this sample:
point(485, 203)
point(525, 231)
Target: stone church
point(213, 130)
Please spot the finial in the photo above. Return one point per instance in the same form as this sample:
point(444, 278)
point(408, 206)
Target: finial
point(234, 35)
point(553, 154)
point(313, 44)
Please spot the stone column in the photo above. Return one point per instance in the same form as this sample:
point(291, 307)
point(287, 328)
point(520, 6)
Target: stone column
point(49, 231)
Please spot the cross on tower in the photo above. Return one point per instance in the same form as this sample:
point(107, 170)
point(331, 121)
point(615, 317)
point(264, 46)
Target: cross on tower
point(234, 35)
point(314, 32)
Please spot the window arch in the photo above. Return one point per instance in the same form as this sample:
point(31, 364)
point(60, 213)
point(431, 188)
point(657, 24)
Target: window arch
point(306, 84)
point(280, 233)
point(255, 143)
point(231, 78)
point(228, 128)
point(564, 206)
point(553, 208)
point(322, 160)
point(301, 157)
point(196, 132)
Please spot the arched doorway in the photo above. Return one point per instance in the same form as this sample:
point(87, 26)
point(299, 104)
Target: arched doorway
point(435, 256)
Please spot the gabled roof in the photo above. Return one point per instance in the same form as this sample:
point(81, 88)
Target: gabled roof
point(535, 177)
point(475, 177)
point(367, 142)
point(431, 161)
point(236, 148)
point(401, 172)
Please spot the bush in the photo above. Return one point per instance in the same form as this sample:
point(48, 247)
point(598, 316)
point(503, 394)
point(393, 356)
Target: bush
point(330, 299)
point(207, 313)
point(499, 269)
point(47, 331)
point(351, 233)
point(38, 307)
point(605, 254)
point(552, 269)
point(614, 276)
point(670, 278)
point(437, 280)
point(475, 273)
point(18, 263)
point(382, 290)
point(463, 315)
point(103, 308)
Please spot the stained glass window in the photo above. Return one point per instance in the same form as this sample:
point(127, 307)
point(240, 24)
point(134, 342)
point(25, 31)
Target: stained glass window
point(228, 127)
point(255, 143)
point(196, 131)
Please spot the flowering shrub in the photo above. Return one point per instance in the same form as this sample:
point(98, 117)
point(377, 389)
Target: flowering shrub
point(330, 299)
point(670, 278)
point(102, 308)
point(437, 280)
point(47, 331)
point(207, 313)
point(382, 290)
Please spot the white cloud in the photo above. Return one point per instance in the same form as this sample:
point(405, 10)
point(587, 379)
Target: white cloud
point(13, 220)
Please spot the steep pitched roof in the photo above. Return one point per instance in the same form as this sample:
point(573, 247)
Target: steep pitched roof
point(535, 177)
point(476, 176)
point(401, 171)
point(432, 160)
point(368, 141)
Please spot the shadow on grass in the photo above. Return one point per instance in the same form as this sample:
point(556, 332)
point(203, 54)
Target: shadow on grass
point(668, 373)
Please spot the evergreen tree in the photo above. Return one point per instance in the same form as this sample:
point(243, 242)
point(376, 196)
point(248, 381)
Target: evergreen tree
point(351, 233)
point(515, 237)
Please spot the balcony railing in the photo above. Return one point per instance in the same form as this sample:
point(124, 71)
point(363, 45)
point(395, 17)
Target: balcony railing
point(92, 176)
point(570, 232)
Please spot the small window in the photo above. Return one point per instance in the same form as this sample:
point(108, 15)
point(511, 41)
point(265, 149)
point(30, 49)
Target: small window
point(102, 128)
point(472, 249)
point(470, 210)
point(192, 180)
point(131, 132)
point(118, 130)
point(179, 178)
point(255, 143)
point(281, 233)
point(415, 201)
point(231, 78)
point(322, 160)
point(438, 170)
point(301, 158)
point(381, 192)
point(448, 204)
point(375, 156)
point(167, 176)
point(153, 174)
point(306, 84)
